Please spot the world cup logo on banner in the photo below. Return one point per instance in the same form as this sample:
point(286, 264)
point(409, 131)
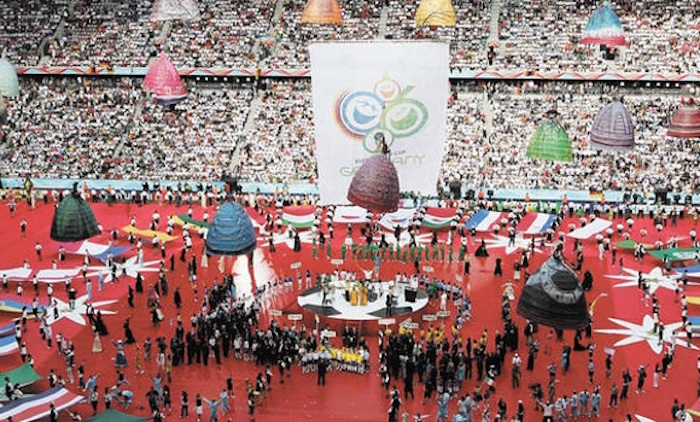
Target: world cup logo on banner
point(387, 110)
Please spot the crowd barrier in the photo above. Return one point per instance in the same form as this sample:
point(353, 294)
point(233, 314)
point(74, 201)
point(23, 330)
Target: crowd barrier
point(303, 188)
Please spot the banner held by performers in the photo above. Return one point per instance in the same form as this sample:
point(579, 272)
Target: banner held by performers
point(360, 90)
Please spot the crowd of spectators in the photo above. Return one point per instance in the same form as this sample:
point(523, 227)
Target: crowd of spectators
point(281, 145)
point(545, 36)
point(67, 127)
point(225, 35)
point(106, 33)
point(468, 39)
point(539, 35)
point(192, 140)
point(360, 22)
point(496, 158)
point(662, 38)
point(108, 128)
point(24, 24)
point(532, 34)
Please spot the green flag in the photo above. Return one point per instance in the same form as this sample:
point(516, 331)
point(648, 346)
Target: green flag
point(676, 254)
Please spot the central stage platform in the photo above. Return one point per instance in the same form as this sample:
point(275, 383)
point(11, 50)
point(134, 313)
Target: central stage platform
point(338, 306)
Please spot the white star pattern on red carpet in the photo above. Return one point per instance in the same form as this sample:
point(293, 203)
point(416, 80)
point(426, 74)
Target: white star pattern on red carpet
point(521, 243)
point(76, 315)
point(654, 278)
point(636, 333)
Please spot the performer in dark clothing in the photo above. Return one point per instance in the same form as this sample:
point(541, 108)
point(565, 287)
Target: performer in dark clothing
point(297, 242)
point(498, 271)
point(481, 250)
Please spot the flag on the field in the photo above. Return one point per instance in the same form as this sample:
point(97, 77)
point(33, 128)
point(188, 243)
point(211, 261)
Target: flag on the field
point(7, 330)
point(483, 220)
point(631, 244)
point(401, 217)
point(676, 254)
point(37, 406)
point(113, 251)
point(56, 276)
point(15, 307)
point(535, 223)
point(85, 248)
point(594, 227)
point(8, 345)
point(350, 215)
point(694, 323)
point(16, 274)
point(162, 236)
point(438, 218)
point(183, 219)
point(111, 415)
point(692, 271)
point(299, 217)
point(23, 375)
point(96, 250)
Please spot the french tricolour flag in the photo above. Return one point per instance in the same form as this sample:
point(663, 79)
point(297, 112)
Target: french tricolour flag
point(532, 223)
point(8, 345)
point(7, 330)
point(535, 223)
point(692, 271)
point(38, 406)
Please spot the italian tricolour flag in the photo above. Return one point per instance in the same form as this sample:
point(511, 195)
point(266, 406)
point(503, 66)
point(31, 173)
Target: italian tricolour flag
point(299, 217)
point(438, 218)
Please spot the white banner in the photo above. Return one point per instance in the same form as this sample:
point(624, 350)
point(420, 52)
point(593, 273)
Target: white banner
point(56, 276)
point(350, 215)
point(90, 248)
point(14, 274)
point(594, 227)
point(401, 217)
point(399, 89)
